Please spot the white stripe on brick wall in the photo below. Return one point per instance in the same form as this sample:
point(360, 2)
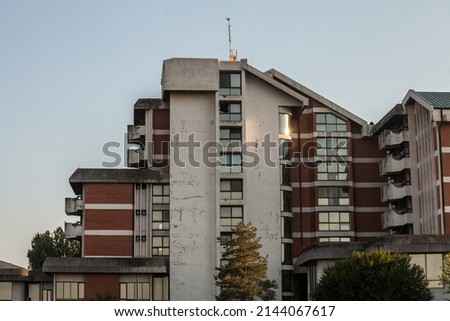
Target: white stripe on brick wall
point(161, 132)
point(108, 206)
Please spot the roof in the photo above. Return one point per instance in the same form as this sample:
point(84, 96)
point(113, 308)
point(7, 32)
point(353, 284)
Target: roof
point(436, 99)
point(115, 175)
point(148, 103)
point(10, 271)
point(395, 111)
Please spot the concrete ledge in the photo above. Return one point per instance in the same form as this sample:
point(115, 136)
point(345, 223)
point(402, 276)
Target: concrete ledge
point(105, 265)
point(410, 244)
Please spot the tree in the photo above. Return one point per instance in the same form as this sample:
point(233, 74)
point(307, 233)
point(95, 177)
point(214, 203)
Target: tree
point(374, 276)
point(44, 245)
point(244, 275)
point(445, 276)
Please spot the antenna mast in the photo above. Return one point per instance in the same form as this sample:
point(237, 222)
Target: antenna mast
point(230, 48)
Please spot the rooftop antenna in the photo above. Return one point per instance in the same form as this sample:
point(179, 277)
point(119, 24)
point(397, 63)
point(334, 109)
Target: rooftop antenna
point(233, 56)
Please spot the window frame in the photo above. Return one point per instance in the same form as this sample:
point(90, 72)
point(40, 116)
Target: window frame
point(231, 220)
point(228, 85)
point(230, 167)
point(231, 193)
point(334, 221)
point(337, 194)
point(228, 140)
point(340, 174)
point(164, 196)
point(328, 122)
point(231, 115)
point(164, 221)
point(164, 248)
point(332, 146)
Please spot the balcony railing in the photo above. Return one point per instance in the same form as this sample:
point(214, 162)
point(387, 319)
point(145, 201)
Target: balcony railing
point(74, 206)
point(73, 230)
point(392, 218)
point(390, 165)
point(394, 191)
point(389, 138)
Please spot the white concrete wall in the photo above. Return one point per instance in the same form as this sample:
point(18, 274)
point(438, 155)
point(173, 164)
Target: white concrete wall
point(262, 183)
point(192, 201)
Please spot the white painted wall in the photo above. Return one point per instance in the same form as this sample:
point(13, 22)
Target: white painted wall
point(192, 201)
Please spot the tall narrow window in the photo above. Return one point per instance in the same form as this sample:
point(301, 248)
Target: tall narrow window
point(230, 111)
point(160, 246)
point(230, 84)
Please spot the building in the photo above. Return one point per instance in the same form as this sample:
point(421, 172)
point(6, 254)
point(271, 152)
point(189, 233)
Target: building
point(226, 143)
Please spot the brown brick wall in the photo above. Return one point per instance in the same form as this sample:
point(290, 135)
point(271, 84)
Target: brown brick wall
point(367, 222)
point(108, 193)
point(447, 223)
point(161, 119)
point(367, 173)
point(445, 135)
point(106, 245)
point(367, 148)
point(102, 284)
point(161, 144)
point(446, 164)
point(108, 219)
point(367, 197)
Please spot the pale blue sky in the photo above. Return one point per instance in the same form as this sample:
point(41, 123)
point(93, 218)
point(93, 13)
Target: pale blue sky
point(70, 72)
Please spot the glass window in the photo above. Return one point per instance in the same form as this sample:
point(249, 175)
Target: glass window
point(284, 148)
point(332, 146)
point(70, 290)
point(285, 201)
point(334, 239)
point(161, 288)
point(286, 253)
point(230, 137)
point(230, 215)
point(229, 111)
point(230, 163)
point(330, 123)
point(230, 84)
point(135, 291)
point(231, 189)
point(285, 178)
point(161, 220)
point(332, 171)
point(334, 196)
point(286, 227)
point(161, 194)
point(160, 246)
point(334, 221)
point(284, 121)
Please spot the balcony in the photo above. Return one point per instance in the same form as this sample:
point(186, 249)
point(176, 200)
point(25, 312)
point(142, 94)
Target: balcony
point(73, 230)
point(390, 165)
point(135, 158)
point(389, 138)
point(392, 218)
point(394, 191)
point(74, 206)
point(135, 133)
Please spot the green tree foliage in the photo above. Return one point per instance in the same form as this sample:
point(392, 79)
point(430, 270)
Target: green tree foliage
point(374, 276)
point(44, 245)
point(445, 276)
point(244, 276)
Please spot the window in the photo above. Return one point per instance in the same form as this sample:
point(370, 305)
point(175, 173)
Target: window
point(69, 291)
point(230, 137)
point(431, 265)
point(285, 178)
point(284, 121)
point(284, 148)
point(230, 215)
point(332, 171)
point(286, 279)
point(332, 146)
point(231, 189)
point(286, 253)
point(334, 221)
point(285, 201)
point(286, 227)
point(230, 84)
point(160, 246)
point(330, 123)
point(161, 194)
point(135, 291)
point(230, 163)
point(334, 239)
point(161, 220)
point(160, 288)
point(333, 196)
point(230, 111)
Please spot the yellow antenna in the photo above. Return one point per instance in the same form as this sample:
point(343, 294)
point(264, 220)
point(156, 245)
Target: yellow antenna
point(233, 56)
